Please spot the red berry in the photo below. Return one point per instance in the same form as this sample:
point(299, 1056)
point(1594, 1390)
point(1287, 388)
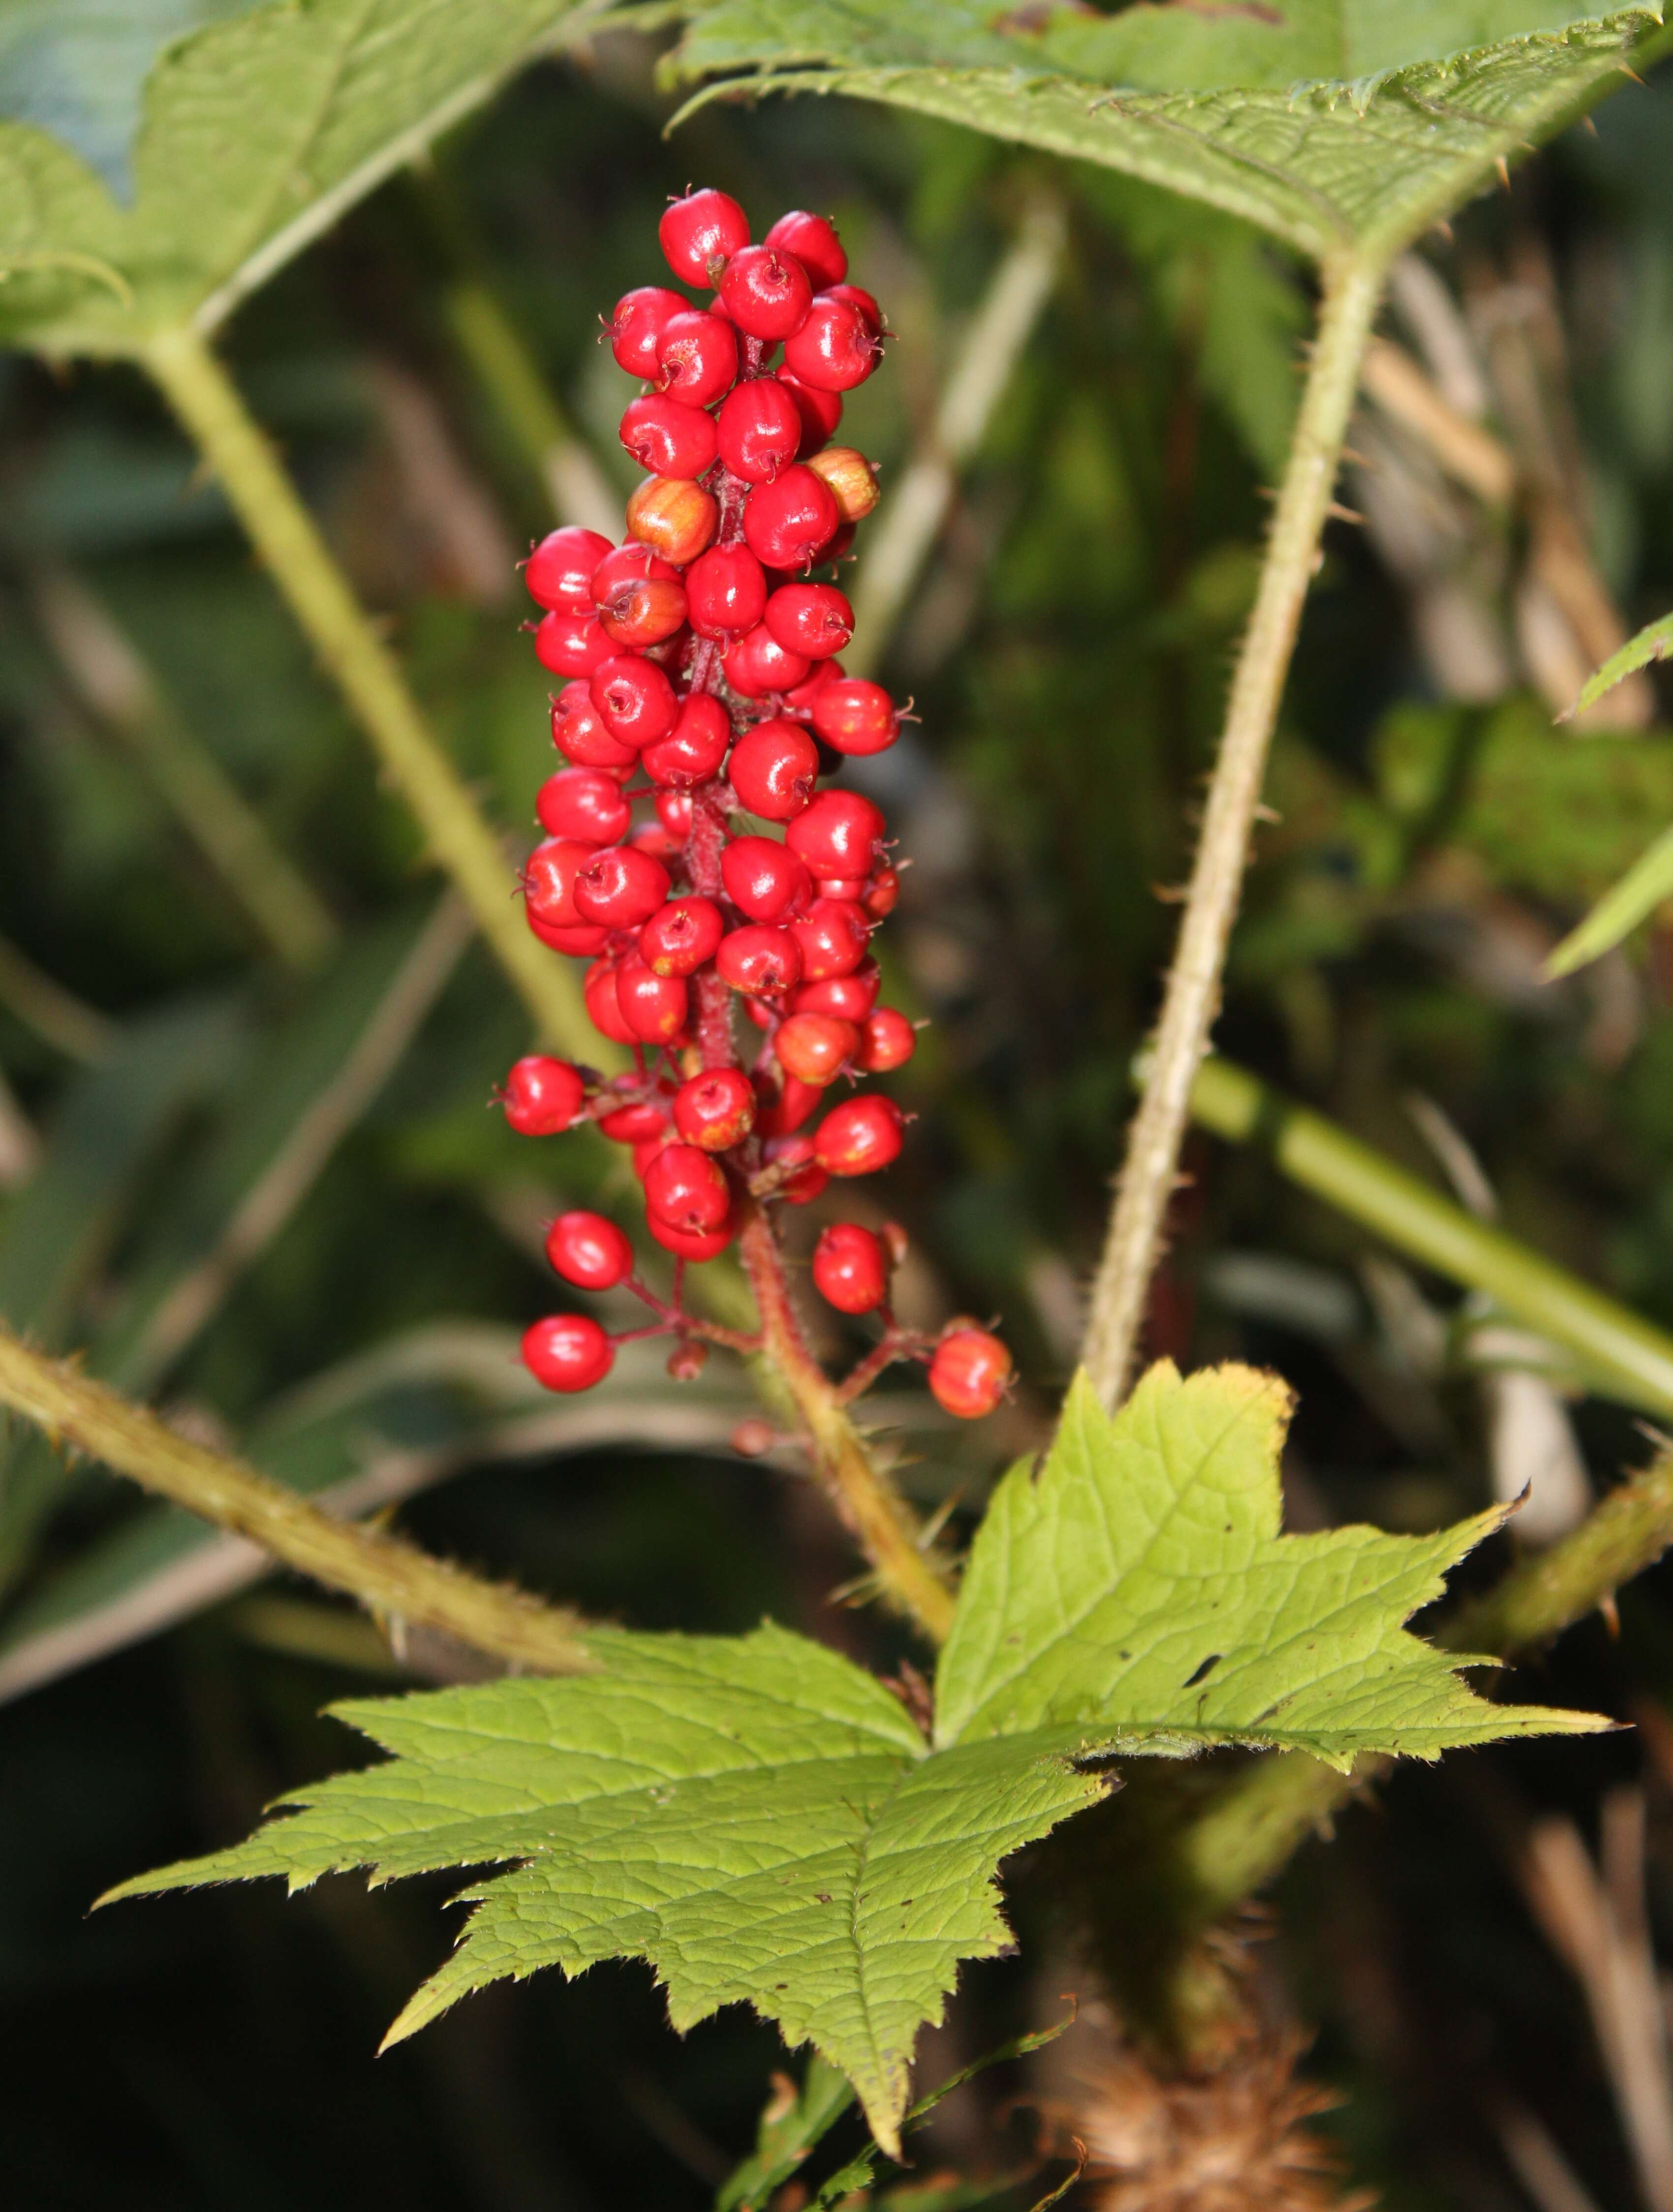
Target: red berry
point(704, 227)
point(814, 620)
point(542, 1095)
point(570, 644)
point(802, 695)
point(582, 939)
point(632, 1125)
point(820, 411)
point(838, 834)
point(716, 1110)
point(646, 1150)
point(814, 1048)
point(758, 961)
point(850, 1268)
point(841, 887)
point(584, 803)
point(763, 879)
point(969, 1373)
point(756, 665)
point(765, 292)
point(674, 812)
point(635, 699)
point(654, 1007)
point(850, 997)
point(560, 568)
point(887, 1041)
point(651, 837)
point(568, 1352)
point(674, 517)
point(599, 990)
point(693, 1246)
point(773, 769)
point(855, 716)
point(726, 589)
point(860, 1136)
point(784, 1107)
point(832, 936)
point(835, 348)
point(882, 893)
point(580, 735)
point(680, 936)
point(697, 357)
point(588, 1251)
point(693, 749)
point(620, 887)
point(812, 239)
point(789, 522)
point(852, 478)
point(550, 874)
point(638, 323)
point(804, 1178)
point(639, 610)
point(685, 1189)
point(861, 301)
point(668, 436)
point(759, 430)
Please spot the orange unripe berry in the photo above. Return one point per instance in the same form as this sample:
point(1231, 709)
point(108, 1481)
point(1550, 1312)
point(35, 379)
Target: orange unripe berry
point(815, 1047)
point(852, 479)
point(969, 1373)
point(675, 517)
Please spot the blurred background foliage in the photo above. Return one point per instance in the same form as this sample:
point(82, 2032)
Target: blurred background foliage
point(245, 1055)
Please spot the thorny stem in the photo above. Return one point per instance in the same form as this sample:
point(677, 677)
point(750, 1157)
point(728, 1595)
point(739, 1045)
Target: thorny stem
point(1351, 287)
point(391, 1576)
point(206, 402)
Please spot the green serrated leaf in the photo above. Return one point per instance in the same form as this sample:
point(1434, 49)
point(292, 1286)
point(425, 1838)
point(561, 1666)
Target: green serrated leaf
point(295, 112)
point(1653, 643)
point(1645, 886)
point(1138, 1584)
point(1330, 123)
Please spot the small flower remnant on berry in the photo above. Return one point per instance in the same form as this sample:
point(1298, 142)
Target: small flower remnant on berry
point(723, 898)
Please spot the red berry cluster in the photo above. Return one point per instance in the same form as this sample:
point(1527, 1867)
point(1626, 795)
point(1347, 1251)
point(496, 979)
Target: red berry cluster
point(703, 679)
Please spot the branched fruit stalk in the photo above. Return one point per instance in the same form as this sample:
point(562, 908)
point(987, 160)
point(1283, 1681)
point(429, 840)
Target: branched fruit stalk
point(693, 858)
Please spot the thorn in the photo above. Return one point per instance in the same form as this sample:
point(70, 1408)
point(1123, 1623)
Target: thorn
point(1631, 73)
point(1265, 813)
point(1607, 1606)
point(1503, 169)
point(1170, 894)
point(1337, 511)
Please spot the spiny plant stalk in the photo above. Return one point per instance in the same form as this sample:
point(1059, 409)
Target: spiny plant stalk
point(703, 683)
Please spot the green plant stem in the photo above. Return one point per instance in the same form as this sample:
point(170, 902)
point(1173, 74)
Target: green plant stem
point(1625, 1357)
point(1351, 287)
point(390, 1576)
point(908, 1576)
point(67, 1023)
point(459, 840)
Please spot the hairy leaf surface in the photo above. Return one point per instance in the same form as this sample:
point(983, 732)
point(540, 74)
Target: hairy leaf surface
point(1329, 122)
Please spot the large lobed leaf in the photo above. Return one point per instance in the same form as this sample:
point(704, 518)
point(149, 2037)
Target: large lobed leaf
point(258, 132)
point(1331, 123)
point(765, 1823)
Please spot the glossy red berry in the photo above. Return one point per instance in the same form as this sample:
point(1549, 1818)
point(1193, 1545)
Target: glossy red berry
point(543, 1096)
point(758, 429)
point(580, 735)
point(669, 436)
point(580, 939)
point(851, 1268)
point(635, 699)
point(788, 523)
point(685, 1189)
point(860, 1136)
point(726, 591)
point(653, 1006)
point(674, 812)
point(716, 1110)
point(697, 357)
point(638, 322)
point(571, 644)
point(839, 834)
point(781, 1107)
point(887, 1041)
point(661, 844)
point(620, 887)
point(853, 716)
point(765, 292)
point(969, 1373)
point(632, 1125)
point(674, 517)
point(815, 1048)
point(773, 769)
point(550, 875)
point(861, 301)
point(599, 990)
point(758, 961)
point(588, 1251)
point(637, 612)
point(756, 665)
point(835, 348)
point(812, 239)
point(813, 620)
point(850, 997)
point(820, 412)
point(882, 894)
point(832, 936)
point(680, 936)
point(704, 227)
point(764, 880)
point(694, 1246)
point(693, 749)
point(559, 570)
point(568, 1352)
point(583, 803)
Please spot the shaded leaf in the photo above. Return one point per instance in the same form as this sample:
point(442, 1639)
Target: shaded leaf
point(1653, 643)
